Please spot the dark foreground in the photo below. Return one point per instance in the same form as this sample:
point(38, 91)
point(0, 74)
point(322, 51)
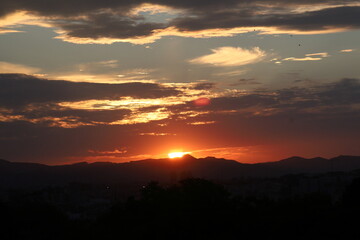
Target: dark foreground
point(191, 209)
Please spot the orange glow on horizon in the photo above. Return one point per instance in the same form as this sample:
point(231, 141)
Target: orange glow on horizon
point(177, 154)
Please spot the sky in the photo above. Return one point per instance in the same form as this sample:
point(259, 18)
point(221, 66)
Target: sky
point(124, 80)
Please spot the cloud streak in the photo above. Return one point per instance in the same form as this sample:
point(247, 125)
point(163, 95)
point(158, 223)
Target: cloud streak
point(308, 57)
point(294, 59)
point(347, 50)
point(231, 56)
point(6, 67)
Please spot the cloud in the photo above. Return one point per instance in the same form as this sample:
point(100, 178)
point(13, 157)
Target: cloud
point(294, 59)
point(202, 123)
point(104, 72)
point(340, 17)
point(111, 152)
point(67, 7)
point(83, 116)
point(263, 118)
point(123, 21)
point(346, 91)
point(4, 31)
point(245, 81)
point(204, 86)
point(21, 90)
point(66, 104)
point(13, 19)
point(102, 25)
point(322, 54)
point(235, 73)
point(308, 57)
point(347, 50)
point(55, 116)
point(6, 67)
point(231, 56)
point(94, 66)
point(329, 99)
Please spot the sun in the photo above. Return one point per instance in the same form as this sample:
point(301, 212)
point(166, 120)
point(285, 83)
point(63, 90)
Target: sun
point(177, 154)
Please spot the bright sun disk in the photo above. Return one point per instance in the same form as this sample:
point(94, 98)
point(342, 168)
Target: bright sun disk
point(177, 154)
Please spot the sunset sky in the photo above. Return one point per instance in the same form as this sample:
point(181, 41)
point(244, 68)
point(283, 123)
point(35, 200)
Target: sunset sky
point(120, 80)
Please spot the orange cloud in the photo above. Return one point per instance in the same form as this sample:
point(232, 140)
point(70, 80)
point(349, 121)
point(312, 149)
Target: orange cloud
point(202, 123)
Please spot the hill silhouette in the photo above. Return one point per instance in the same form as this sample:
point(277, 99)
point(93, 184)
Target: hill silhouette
point(13, 174)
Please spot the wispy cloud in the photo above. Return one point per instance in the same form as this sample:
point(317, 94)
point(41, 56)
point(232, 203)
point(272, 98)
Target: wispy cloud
point(322, 54)
point(308, 57)
point(301, 59)
point(6, 67)
point(201, 123)
point(347, 50)
point(231, 56)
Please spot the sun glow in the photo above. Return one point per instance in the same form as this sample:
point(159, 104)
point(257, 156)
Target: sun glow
point(177, 154)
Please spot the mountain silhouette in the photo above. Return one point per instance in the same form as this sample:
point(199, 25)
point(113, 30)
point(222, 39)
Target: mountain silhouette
point(16, 174)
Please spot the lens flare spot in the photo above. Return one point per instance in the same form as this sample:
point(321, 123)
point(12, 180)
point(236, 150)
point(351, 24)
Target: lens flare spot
point(202, 102)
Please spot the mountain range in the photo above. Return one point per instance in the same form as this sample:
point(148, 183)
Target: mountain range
point(17, 174)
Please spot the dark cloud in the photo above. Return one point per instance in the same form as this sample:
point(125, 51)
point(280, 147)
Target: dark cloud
point(65, 7)
point(19, 90)
point(108, 25)
point(75, 8)
point(95, 19)
point(36, 100)
point(332, 98)
point(72, 116)
point(341, 17)
point(241, 102)
point(346, 91)
point(204, 86)
point(245, 81)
